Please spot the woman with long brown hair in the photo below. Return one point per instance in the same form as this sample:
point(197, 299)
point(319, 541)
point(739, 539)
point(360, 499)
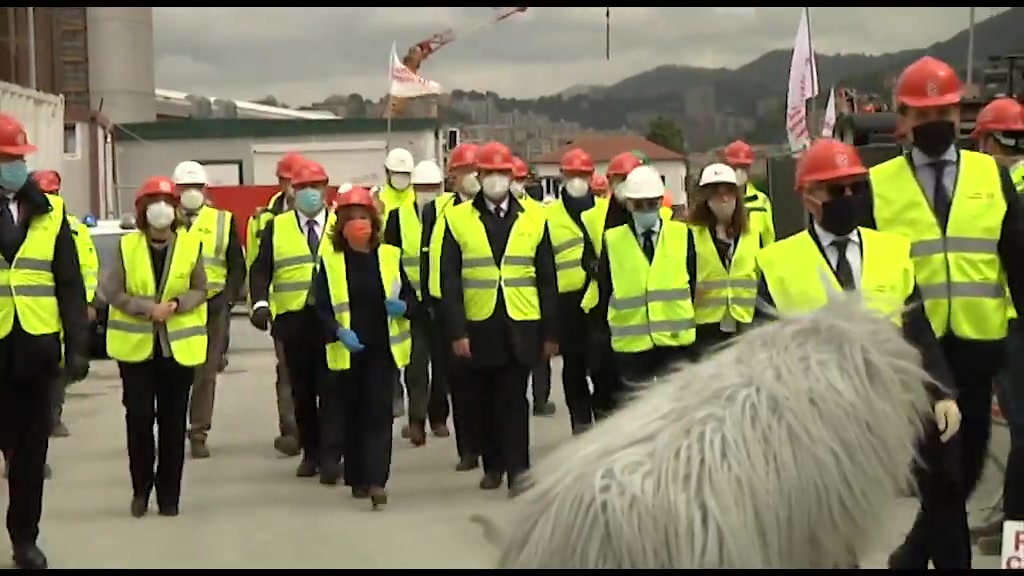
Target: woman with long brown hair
point(364, 300)
point(157, 333)
point(726, 246)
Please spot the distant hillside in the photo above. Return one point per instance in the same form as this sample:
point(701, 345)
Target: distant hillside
point(738, 91)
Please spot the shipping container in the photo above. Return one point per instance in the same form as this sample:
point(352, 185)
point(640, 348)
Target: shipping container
point(42, 115)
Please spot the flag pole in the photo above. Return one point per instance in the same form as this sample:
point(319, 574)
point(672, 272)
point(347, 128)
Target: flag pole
point(970, 47)
point(814, 74)
point(608, 33)
point(388, 108)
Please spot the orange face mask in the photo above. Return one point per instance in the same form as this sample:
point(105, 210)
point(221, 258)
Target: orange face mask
point(357, 233)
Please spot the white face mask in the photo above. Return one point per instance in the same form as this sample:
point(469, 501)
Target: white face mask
point(160, 215)
point(470, 185)
point(518, 189)
point(495, 186)
point(577, 187)
point(741, 177)
point(400, 181)
point(723, 210)
point(192, 199)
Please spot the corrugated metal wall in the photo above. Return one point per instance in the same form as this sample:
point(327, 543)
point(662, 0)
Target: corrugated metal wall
point(43, 117)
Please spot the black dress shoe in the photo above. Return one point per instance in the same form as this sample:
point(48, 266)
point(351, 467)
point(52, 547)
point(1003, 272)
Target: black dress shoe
point(516, 486)
point(544, 409)
point(330, 474)
point(307, 469)
point(168, 511)
point(29, 557)
point(139, 506)
point(360, 492)
point(490, 482)
point(467, 463)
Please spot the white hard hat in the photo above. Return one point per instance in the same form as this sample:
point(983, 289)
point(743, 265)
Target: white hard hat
point(190, 172)
point(399, 160)
point(427, 173)
point(643, 182)
point(717, 174)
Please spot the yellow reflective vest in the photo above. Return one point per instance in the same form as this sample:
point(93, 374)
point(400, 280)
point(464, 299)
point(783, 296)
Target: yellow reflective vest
point(1017, 174)
point(959, 273)
point(759, 213)
point(399, 335)
point(254, 229)
point(567, 244)
point(213, 228)
point(516, 275)
point(88, 261)
point(293, 262)
point(132, 339)
point(593, 222)
point(720, 289)
point(441, 205)
point(795, 272)
point(411, 229)
point(650, 304)
point(27, 287)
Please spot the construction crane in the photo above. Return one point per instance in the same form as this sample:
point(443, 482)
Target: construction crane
point(420, 51)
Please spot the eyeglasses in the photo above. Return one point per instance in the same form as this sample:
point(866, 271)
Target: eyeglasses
point(855, 188)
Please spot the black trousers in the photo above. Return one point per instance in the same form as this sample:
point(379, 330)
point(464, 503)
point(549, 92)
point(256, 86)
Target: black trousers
point(365, 400)
point(506, 418)
point(603, 365)
point(540, 382)
point(305, 356)
point(438, 405)
point(25, 419)
point(156, 392)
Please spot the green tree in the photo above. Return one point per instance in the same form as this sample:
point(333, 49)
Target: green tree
point(665, 133)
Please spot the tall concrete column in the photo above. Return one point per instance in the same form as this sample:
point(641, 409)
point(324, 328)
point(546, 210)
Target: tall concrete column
point(122, 72)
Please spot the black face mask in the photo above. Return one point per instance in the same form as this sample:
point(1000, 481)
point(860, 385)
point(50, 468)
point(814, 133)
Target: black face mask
point(934, 138)
point(842, 214)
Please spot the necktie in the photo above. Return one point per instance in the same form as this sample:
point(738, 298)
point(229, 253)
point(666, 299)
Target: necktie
point(312, 238)
point(8, 232)
point(498, 212)
point(940, 196)
point(649, 245)
point(844, 272)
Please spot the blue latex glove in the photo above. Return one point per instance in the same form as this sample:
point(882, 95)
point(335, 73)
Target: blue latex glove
point(350, 340)
point(395, 307)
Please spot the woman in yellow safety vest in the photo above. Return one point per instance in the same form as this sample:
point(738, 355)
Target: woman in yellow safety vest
point(726, 245)
point(156, 331)
point(365, 301)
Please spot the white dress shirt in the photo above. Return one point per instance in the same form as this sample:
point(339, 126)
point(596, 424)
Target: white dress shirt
point(654, 237)
point(853, 250)
point(504, 204)
point(12, 203)
point(320, 221)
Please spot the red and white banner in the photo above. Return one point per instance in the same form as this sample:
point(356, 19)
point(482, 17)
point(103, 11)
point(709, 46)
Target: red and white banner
point(407, 84)
point(803, 85)
point(828, 124)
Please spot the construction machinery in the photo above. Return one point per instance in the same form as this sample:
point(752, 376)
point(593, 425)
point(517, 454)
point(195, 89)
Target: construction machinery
point(420, 51)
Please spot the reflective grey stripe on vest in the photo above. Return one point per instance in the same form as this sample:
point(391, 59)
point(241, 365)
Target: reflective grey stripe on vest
point(957, 245)
point(488, 262)
point(661, 326)
point(219, 257)
point(738, 283)
point(563, 247)
point(665, 295)
point(146, 328)
point(410, 261)
point(401, 337)
point(340, 308)
point(301, 286)
point(34, 265)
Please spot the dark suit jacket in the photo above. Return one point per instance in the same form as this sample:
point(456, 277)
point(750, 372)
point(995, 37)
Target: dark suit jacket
point(39, 356)
point(499, 340)
point(289, 324)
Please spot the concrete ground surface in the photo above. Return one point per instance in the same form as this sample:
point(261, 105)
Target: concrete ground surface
point(244, 508)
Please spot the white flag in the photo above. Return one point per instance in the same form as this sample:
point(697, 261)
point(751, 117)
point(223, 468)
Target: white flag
point(828, 125)
point(803, 85)
point(407, 84)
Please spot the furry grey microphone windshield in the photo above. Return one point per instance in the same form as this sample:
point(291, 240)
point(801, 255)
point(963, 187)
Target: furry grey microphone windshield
point(784, 449)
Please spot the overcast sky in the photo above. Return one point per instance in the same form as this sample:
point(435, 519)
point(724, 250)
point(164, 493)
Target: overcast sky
point(302, 55)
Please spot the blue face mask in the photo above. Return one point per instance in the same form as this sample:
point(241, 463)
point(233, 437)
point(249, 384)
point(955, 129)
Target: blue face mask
point(13, 175)
point(647, 220)
point(309, 201)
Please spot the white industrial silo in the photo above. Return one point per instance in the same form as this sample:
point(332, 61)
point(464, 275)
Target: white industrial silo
point(122, 72)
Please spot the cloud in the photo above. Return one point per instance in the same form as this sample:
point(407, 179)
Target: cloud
point(302, 55)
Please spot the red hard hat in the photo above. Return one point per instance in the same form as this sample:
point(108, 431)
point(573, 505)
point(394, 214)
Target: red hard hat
point(928, 82)
point(577, 160)
point(357, 196)
point(999, 115)
point(464, 155)
point(622, 165)
point(308, 172)
point(739, 154)
point(13, 139)
point(598, 183)
point(286, 165)
point(155, 186)
point(47, 180)
point(494, 156)
point(520, 169)
point(828, 159)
